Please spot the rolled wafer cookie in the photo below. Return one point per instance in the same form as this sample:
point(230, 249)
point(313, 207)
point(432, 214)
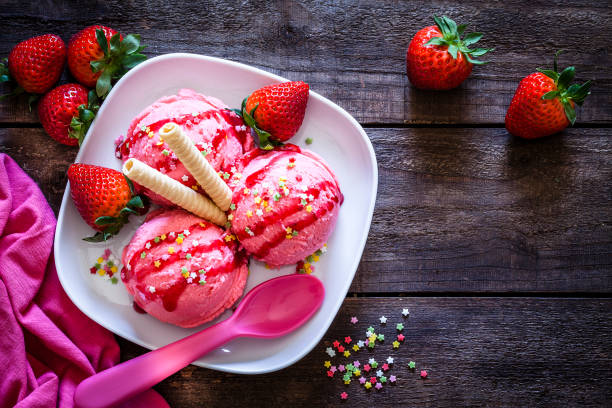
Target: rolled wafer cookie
point(173, 191)
point(197, 165)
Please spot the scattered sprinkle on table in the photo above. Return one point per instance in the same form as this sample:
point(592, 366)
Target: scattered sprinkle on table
point(354, 320)
point(383, 320)
point(423, 374)
point(405, 312)
point(412, 365)
point(344, 395)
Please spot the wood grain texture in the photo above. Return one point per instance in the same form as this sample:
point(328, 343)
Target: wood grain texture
point(494, 352)
point(458, 210)
point(351, 52)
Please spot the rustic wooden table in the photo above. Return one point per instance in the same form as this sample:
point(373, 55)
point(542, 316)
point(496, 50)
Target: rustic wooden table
point(500, 247)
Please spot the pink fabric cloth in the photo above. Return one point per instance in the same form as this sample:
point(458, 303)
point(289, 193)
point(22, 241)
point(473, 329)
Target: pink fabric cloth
point(47, 345)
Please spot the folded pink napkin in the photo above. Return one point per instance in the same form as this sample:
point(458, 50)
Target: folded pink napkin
point(47, 346)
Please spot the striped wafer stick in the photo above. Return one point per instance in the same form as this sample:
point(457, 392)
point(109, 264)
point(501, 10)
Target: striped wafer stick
point(173, 191)
point(197, 165)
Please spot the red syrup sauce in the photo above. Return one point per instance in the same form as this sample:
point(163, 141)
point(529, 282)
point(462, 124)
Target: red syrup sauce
point(171, 294)
point(137, 308)
point(294, 207)
point(122, 150)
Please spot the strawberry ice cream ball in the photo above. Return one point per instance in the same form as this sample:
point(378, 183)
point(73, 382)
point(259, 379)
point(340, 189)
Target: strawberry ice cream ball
point(182, 269)
point(217, 132)
point(285, 206)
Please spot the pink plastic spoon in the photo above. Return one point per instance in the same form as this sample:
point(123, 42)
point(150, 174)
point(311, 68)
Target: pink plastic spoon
point(272, 309)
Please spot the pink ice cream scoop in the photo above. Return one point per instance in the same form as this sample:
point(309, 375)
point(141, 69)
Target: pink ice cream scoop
point(286, 204)
point(217, 132)
point(182, 269)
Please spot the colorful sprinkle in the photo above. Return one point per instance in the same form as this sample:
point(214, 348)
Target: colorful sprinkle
point(347, 353)
point(385, 367)
point(405, 312)
point(400, 337)
point(336, 343)
point(399, 326)
point(383, 379)
point(362, 380)
point(355, 347)
point(341, 368)
point(347, 339)
point(373, 380)
point(378, 386)
point(423, 374)
point(412, 365)
point(396, 344)
point(330, 373)
point(368, 385)
point(344, 395)
point(383, 320)
point(390, 360)
point(366, 367)
point(308, 140)
point(356, 363)
point(392, 378)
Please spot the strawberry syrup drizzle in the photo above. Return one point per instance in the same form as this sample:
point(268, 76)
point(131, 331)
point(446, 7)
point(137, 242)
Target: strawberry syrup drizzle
point(123, 149)
point(295, 207)
point(171, 294)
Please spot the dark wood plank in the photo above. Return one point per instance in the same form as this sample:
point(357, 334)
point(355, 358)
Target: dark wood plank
point(477, 210)
point(354, 54)
point(460, 210)
point(493, 352)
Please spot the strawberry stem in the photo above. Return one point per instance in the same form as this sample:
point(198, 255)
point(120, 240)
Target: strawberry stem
point(264, 138)
point(567, 94)
point(451, 37)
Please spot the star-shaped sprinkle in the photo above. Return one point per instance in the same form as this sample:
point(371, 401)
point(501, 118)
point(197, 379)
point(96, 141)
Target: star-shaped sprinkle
point(330, 351)
point(373, 380)
point(347, 353)
point(332, 369)
point(356, 363)
point(372, 338)
point(378, 386)
point(341, 349)
point(371, 329)
point(385, 367)
point(355, 347)
point(396, 344)
point(371, 361)
point(400, 337)
point(344, 395)
point(412, 365)
point(327, 364)
point(423, 374)
point(185, 178)
point(341, 368)
point(368, 385)
point(381, 337)
point(400, 326)
point(354, 320)
point(367, 342)
point(349, 367)
point(405, 312)
point(336, 343)
point(369, 333)
point(374, 365)
point(362, 380)
point(360, 343)
point(366, 367)
point(390, 360)
point(348, 339)
point(347, 377)
point(379, 373)
point(383, 379)
point(357, 373)
point(392, 378)
point(371, 345)
point(383, 320)
point(330, 373)
point(347, 382)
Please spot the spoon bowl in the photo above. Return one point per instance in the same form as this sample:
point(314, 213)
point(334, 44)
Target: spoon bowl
point(274, 308)
point(281, 305)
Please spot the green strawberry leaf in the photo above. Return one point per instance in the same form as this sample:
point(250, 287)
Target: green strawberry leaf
point(554, 75)
point(115, 44)
point(566, 77)
point(130, 61)
point(436, 41)
point(102, 42)
point(103, 85)
point(452, 50)
point(550, 95)
point(135, 202)
point(98, 237)
point(105, 220)
point(472, 38)
point(131, 43)
point(461, 28)
point(130, 185)
point(570, 112)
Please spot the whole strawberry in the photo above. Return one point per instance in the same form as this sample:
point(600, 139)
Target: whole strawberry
point(104, 197)
point(276, 112)
point(37, 63)
point(99, 54)
point(437, 57)
point(544, 103)
point(66, 112)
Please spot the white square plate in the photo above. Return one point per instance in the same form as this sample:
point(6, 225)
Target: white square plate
point(337, 137)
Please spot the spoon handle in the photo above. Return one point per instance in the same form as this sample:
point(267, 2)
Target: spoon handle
point(118, 383)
